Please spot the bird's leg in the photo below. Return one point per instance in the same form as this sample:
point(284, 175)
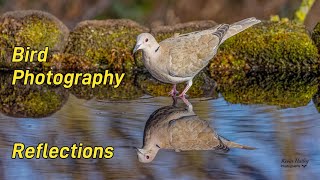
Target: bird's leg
point(183, 94)
point(174, 91)
point(189, 105)
point(174, 100)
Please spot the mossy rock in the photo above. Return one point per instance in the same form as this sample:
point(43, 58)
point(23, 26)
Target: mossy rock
point(21, 100)
point(69, 62)
point(35, 29)
point(126, 91)
point(283, 90)
point(108, 43)
point(316, 36)
point(267, 45)
point(203, 86)
point(163, 32)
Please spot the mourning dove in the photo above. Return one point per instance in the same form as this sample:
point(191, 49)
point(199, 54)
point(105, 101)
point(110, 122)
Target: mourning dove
point(180, 129)
point(179, 58)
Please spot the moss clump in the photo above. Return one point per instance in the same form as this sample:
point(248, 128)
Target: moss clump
point(163, 32)
point(69, 62)
point(35, 29)
point(203, 86)
point(284, 90)
point(21, 100)
point(316, 36)
point(268, 45)
point(108, 43)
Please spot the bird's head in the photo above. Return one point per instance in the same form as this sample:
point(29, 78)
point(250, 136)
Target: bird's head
point(145, 41)
point(146, 155)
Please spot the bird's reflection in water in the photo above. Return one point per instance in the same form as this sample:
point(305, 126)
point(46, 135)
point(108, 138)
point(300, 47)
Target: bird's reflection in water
point(180, 129)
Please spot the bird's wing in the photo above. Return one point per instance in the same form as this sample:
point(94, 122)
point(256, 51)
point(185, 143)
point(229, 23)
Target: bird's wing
point(188, 53)
point(192, 133)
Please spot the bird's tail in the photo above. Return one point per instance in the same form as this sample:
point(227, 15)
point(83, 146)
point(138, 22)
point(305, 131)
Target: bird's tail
point(239, 26)
point(231, 144)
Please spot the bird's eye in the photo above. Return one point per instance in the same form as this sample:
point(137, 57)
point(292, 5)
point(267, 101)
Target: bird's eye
point(147, 40)
point(147, 157)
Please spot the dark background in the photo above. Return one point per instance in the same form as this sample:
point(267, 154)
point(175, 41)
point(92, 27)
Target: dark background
point(155, 12)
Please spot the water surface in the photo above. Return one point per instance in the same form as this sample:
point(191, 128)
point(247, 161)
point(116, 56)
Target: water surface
point(282, 121)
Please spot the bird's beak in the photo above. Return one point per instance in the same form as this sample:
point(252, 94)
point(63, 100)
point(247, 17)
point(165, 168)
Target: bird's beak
point(139, 150)
point(136, 48)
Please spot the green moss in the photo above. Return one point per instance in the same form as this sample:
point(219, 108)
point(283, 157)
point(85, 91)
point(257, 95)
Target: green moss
point(41, 104)
point(163, 32)
point(316, 36)
point(37, 33)
point(35, 29)
point(202, 86)
point(69, 62)
point(107, 43)
point(268, 45)
point(29, 100)
point(284, 90)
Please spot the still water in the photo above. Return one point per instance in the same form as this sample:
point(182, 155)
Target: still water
point(281, 121)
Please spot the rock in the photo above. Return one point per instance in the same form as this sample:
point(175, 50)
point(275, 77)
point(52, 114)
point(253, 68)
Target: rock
point(280, 89)
point(268, 45)
point(108, 43)
point(21, 100)
point(164, 32)
point(69, 62)
point(36, 29)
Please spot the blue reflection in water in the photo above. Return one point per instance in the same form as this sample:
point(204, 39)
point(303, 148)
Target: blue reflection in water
point(277, 133)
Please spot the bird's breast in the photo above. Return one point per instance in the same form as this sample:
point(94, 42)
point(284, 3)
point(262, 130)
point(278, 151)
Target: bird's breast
point(158, 69)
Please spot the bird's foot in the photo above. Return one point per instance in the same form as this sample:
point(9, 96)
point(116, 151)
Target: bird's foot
point(184, 99)
point(173, 91)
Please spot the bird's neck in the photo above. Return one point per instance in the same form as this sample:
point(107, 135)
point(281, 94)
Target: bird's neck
point(152, 52)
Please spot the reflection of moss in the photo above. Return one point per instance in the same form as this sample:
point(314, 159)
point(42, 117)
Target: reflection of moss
point(82, 92)
point(284, 90)
point(268, 45)
point(29, 101)
point(316, 35)
point(202, 86)
point(107, 43)
point(40, 103)
point(126, 91)
point(29, 28)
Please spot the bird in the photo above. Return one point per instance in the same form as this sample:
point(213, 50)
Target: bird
point(181, 57)
point(180, 129)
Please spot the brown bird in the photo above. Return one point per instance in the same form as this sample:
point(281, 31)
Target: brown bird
point(180, 58)
point(171, 127)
